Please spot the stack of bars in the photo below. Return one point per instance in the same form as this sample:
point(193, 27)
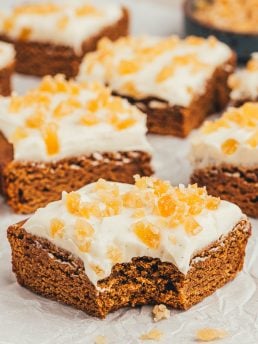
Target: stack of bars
point(176, 82)
point(63, 135)
point(111, 245)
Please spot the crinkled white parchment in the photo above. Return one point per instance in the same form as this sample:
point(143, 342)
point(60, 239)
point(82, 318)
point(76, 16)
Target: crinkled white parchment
point(26, 318)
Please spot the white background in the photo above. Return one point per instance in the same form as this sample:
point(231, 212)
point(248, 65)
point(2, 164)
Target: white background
point(29, 319)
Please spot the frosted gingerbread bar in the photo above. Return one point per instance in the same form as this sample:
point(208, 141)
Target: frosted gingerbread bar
point(111, 245)
point(7, 63)
point(225, 157)
point(244, 83)
point(177, 82)
point(52, 37)
point(63, 135)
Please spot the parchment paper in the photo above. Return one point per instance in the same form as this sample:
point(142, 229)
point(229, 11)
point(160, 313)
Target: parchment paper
point(29, 319)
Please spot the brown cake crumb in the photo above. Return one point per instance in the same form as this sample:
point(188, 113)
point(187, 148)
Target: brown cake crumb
point(153, 334)
point(160, 312)
point(100, 340)
point(210, 334)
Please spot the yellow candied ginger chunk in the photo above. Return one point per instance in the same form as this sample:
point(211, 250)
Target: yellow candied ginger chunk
point(8, 23)
point(129, 88)
point(105, 188)
point(160, 187)
point(122, 124)
point(191, 226)
point(132, 199)
point(87, 10)
point(229, 146)
point(66, 107)
point(141, 182)
point(40, 9)
point(62, 22)
point(89, 119)
point(252, 65)
point(178, 216)
point(210, 334)
point(36, 120)
point(114, 254)
point(50, 135)
point(19, 134)
point(210, 127)
point(57, 228)
point(83, 229)
point(196, 204)
point(166, 205)
point(250, 110)
point(16, 104)
point(72, 203)
point(139, 213)
point(88, 209)
point(212, 203)
point(253, 140)
point(25, 33)
point(241, 117)
point(147, 233)
point(194, 40)
point(166, 73)
point(128, 67)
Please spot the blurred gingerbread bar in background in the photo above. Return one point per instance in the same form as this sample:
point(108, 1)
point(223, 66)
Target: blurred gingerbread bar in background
point(52, 37)
point(176, 82)
point(7, 63)
point(234, 22)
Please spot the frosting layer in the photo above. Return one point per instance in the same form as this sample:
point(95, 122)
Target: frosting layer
point(171, 69)
point(244, 82)
point(7, 54)
point(62, 22)
point(107, 223)
point(232, 139)
point(61, 119)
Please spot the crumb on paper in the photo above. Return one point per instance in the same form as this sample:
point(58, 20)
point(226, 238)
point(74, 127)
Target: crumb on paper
point(153, 334)
point(100, 340)
point(210, 334)
point(160, 312)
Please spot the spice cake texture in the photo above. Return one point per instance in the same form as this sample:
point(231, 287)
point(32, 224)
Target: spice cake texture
point(177, 82)
point(225, 157)
point(52, 37)
point(63, 135)
point(244, 83)
point(7, 63)
point(111, 245)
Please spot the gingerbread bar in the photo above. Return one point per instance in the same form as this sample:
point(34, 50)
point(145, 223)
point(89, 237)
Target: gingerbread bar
point(63, 135)
point(53, 37)
point(7, 63)
point(225, 157)
point(112, 245)
point(177, 82)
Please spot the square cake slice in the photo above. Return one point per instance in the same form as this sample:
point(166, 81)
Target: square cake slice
point(63, 135)
point(111, 245)
point(224, 154)
point(51, 37)
point(7, 63)
point(244, 83)
point(177, 82)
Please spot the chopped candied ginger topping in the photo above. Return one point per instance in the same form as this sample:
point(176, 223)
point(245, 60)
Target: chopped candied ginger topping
point(245, 117)
point(115, 254)
point(229, 146)
point(192, 227)
point(154, 334)
point(210, 334)
point(35, 120)
point(73, 200)
point(19, 133)
point(57, 228)
point(147, 233)
point(40, 9)
point(50, 135)
point(83, 232)
point(160, 312)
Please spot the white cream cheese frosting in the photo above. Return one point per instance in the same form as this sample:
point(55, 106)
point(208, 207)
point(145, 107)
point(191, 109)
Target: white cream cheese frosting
point(7, 55)
point(61, 119)
point(106, 223)
point(61, 22)
point(244, 82)
point(172, 69)
point(231, 139)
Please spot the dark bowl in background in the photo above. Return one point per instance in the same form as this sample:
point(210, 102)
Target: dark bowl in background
point(243, 44)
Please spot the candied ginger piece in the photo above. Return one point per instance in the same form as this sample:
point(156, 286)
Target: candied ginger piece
point(129, 88)
point(56, 228)
point(230, 146)
point(83, 230)
point(192, 227)
point(147, 233)
point(212, 203)
point(166, 205)
point(128, 67)
point(160, 312)
point(253, 140)
point(25, 33)
point(250, 110)
point(62, 22)
point(210, 334)
point(39, 9)
point(8, 23)
point(50, 135)
point(19, 134)
point(100, 340)
point(87, 10)
point(89, 119)
point(138, 213)
point(165, 73)
point(72, 202)
point(122, 124)
point(252, 65)
point(89, 209)
point(132, 199)
point(16, 103)
point(153, 334)
point(194, 40)
point(210, 127)
point(160, 187)
point(196, 204)
point(47, 85)
point(36, 120)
